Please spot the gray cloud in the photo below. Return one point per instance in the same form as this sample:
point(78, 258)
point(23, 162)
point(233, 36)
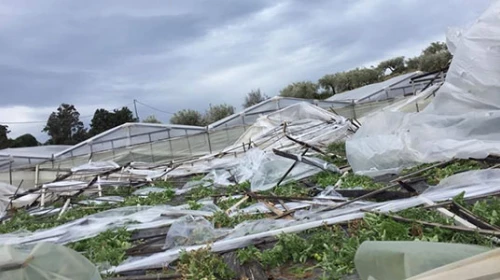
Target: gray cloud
point(185, 54)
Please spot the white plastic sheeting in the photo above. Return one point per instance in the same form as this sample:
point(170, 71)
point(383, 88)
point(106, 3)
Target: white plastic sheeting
point(132, 217)
point(461, 121)
point(304, 122)
point(190, 230)
point(263, 170)
point(302, 115)
point(473, 183)
point(6, 192)
point(95, 167)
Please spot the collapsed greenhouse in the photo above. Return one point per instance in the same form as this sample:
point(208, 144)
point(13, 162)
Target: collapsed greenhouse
point(279, 190)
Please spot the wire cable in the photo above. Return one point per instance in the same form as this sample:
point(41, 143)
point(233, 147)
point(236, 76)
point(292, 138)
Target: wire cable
point(151, 107)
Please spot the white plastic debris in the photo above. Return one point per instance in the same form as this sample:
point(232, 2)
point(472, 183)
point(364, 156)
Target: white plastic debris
point(148, 190)
point(191, 230)
point(102, 200)
point(95, 166)
point(461, 121)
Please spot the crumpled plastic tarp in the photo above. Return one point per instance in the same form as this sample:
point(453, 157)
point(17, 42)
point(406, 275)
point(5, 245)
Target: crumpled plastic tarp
point(6, 192)
point(148, 190)
point(130, 217)
point(191, 230)
point(264, 170)
point(95, 167)
point(461, 121)
point(102, 200)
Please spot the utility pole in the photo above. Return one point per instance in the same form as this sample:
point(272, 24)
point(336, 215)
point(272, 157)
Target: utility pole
point(135, 109)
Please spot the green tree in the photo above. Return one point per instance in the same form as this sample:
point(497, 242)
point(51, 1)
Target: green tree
point(64, 126)
point(433, 58)
point(413, 63)
point(344, 81)
point(361, 77)
point(4, 139)
point(306, 90)
point(25, 140)
point(218, 112)
point(254, 97)
point(396, 65)
point(434, 48)
point(151, 119)
point(104, 120)
point(188, 117)
point(123, 115)
point(434, 62)
point(331, 83)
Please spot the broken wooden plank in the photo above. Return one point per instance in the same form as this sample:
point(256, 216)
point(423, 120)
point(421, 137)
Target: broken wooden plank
point(237, 205)
point(272, 208)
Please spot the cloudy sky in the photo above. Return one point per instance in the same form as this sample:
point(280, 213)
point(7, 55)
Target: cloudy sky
point(176, 54)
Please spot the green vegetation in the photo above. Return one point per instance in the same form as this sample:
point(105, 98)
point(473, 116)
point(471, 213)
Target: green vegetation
point(21, 220)
point(351, 180)
point(203, 264)
point(254, 97)
point(107, 247)
point(221, 220)
point(435, 175)
point(333, 248)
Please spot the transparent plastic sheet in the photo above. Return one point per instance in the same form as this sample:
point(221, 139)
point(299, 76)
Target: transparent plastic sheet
point(272, 169)
point(46, 261)
point(305, 122)
point(95, 167)
point(257, 226)
point(262, 168)
point(190, 230)
point(260, 207)
point(148, 190)
point(305, 112)
point(460, 122)
point(219, 177)
point(473, 183)
point(64, 186)
point(395, 260)
point(102, 200)
point(6, 192)
point(132, 217)
point(149, 174)
point(193, 184)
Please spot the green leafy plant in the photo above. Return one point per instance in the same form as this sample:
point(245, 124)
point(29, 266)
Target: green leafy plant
point(220, 219)
point(107, 247)
point(435, 175)
point(203, 264)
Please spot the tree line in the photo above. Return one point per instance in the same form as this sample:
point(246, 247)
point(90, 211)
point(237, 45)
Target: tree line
point(65, 128)
point(434, 57)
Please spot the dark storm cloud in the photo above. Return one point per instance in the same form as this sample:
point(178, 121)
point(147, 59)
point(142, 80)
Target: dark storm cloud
point(186, 54)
